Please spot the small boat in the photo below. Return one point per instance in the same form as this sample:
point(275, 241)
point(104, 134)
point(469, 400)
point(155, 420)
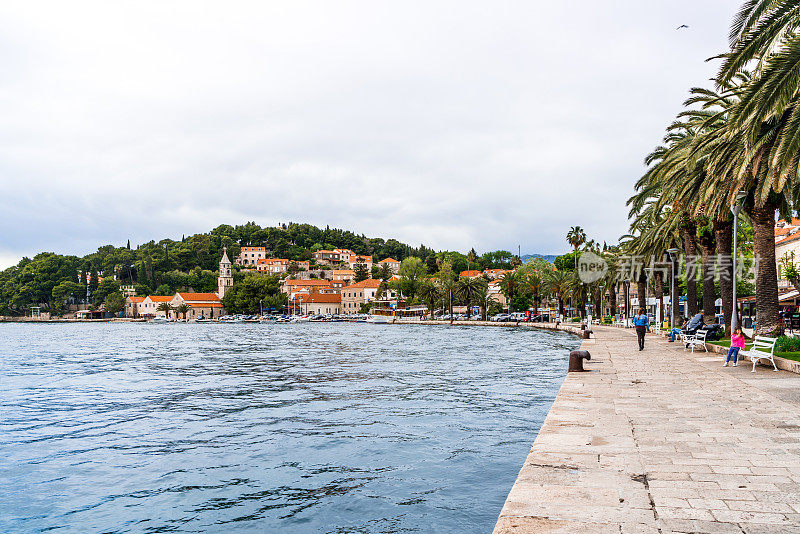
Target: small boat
point(159, 319)
point(378, 319)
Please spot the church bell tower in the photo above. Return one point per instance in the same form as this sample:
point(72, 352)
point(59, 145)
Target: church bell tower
point(225, 280)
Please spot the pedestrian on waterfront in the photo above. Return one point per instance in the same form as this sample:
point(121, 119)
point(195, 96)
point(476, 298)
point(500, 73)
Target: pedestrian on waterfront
point(642, 325)
point(737, 344)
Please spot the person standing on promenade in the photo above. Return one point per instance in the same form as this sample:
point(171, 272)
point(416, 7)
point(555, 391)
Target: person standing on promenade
point(642, 326)
point(737, 344)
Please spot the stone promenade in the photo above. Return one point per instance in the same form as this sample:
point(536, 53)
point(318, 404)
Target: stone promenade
point(662, 441)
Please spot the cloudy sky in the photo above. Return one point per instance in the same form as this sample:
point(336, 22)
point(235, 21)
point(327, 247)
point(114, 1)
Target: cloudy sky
point(456, 124)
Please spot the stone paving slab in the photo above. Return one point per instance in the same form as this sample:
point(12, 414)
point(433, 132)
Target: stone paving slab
point(662, 441)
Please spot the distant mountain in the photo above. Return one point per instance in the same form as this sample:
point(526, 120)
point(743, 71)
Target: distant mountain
point(547, 257)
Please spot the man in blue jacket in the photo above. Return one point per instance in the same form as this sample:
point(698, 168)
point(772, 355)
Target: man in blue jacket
point(642, 326)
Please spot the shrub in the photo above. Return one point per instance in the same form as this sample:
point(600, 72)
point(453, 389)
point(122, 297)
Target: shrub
point(787, 344)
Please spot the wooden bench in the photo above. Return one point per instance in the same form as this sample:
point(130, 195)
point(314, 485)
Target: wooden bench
point(695, 340)
point(754, 354)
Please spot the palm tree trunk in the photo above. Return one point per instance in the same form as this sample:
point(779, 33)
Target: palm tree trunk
point(688, 232)
point(612, 298)
point(658, 291)
point(674, 296)
point(626, 290)
point(641, 291)
point(723, 231)
point(709, 292)
point(767, 308)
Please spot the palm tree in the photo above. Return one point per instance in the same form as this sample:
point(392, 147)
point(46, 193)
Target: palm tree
point(510, 286)
point(576, 237)
point(165, 307)
point(429, 294)
point(182, 309)
point(469, 289)
point(559, 284)
point(447, 282)
point(535, 283)
point(471, 257)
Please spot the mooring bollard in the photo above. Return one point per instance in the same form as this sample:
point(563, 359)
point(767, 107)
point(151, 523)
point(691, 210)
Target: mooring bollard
point(576, 358)
point(587, 334)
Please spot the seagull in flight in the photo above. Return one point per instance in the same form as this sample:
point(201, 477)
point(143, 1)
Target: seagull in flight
point(682, 26)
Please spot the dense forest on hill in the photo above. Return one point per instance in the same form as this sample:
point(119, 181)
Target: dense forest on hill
point(163, 267)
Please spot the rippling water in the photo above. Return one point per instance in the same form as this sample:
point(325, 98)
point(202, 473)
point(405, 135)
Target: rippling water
point(252, 427)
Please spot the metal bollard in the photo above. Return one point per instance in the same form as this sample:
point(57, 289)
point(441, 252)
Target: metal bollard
point(576, 358)
point(587, 334)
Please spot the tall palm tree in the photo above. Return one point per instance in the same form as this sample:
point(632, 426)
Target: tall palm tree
point(165, 307)
point(446, 279)
point(469, 289)
point(576, 237)
point(559, 283)
point(183, 309)
point(510, 286)
point(535, 283)
point(429, 293)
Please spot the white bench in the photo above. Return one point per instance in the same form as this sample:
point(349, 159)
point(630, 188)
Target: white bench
point(698, 339)
point(754, 354)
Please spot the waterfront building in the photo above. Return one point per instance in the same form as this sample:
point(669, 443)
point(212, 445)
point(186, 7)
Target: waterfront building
point(201, 305)
point(364, 292)
point(225, 277)
point(321, 304)
point(294, 286)
point(393, 264)
point(149, 306)
point(249, 256)
point(132, 306)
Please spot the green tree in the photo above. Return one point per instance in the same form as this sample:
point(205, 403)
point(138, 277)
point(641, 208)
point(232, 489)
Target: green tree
point(361, 273)
point(63, 291)
point(254, 291)
point(412, 272)
point(114, 302)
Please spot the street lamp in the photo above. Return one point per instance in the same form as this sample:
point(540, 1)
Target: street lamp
point(735, 209)
point(673, 256)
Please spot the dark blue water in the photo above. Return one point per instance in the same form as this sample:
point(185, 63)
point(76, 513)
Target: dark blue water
point(265, 428)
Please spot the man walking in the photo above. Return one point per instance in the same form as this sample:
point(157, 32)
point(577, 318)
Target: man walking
point(642, 326)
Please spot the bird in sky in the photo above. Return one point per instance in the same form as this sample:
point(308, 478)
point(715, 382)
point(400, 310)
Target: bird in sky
point(681, 27)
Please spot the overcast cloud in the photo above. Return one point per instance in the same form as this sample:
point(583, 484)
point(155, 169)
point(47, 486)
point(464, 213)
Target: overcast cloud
point(456, 124)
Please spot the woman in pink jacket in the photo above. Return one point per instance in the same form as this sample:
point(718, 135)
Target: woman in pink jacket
point(737, 344)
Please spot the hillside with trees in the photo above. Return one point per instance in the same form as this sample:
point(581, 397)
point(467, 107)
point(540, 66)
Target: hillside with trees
point(54, 281)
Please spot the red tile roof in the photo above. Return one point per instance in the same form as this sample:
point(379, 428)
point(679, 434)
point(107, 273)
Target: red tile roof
point(470, 274)
point(307, 282)
point(199, 297)
point(368, 283)
point(160, 298)
point(389, 260)
point(136, 299)
point(323, 298)
point(788, 239)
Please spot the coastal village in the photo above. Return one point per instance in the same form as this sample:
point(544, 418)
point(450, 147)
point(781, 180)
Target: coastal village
point(327, 286)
